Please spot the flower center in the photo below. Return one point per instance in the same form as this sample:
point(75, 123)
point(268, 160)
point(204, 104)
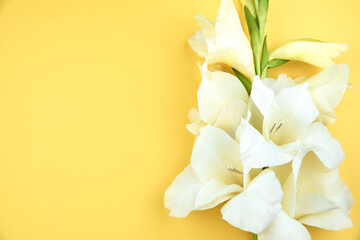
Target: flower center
point(232, 167)
point(275, 131)
point(236, 172)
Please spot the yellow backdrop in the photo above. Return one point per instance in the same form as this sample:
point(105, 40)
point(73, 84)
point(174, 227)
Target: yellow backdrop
point(94, 97)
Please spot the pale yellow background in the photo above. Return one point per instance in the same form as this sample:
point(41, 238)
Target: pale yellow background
point(94, 97)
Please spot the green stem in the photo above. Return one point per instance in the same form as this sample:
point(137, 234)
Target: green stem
point(255, 237)
point(256, 26)
point(243, 80)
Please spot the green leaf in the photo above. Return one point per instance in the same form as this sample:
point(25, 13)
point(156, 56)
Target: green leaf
point(262, 15)
point(264, 58)
point(251, 5)
point(276, 63)
point(256, 41)
point(256, 3)
point(252, 23)
point(264, 74)
point(272, 64)
point(243, 80)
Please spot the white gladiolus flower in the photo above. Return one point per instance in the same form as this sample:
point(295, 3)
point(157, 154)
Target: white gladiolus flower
point(216, 175)
point(196, 122)
point(284, 115)
point(224, 41)
point(312, 51)
point(327, 89)
point(269, 155)
point(317, 198)
point(222, 102)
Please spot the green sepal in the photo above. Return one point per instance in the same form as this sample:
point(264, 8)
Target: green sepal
point(264, 59)
point(262, 15)
point(272, 64)
point(256, 41)
point(264, 74)
point(243, 80)
point(276, 63)
point(256, 3)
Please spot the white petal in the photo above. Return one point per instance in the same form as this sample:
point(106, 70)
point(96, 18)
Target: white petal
point(229, 34)
point(296, 163)
point(196, 122)
point(229, 119)
point(336, 219)
point(262, 95)
point(254, 209)
point(285, 228)
point(290, 115)
point(278, 84)
point(229, 56)
point(214, 153)
point(180, 196)
point(198, 43)
point(194, 128)
point(215, 192)
point(194, 115)
point(289, 200)
point(314, 177)
point(341, 195)
point(327, 117)
point(320, 141)
point(327, 89)
point(310, 203)
point(208, 30)
point(216, 91)
point(257, 152)
point(311, 51)
point(310, 176)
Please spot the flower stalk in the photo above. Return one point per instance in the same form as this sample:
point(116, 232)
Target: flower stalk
point(283, 111)
point(256, 26)
point(256, 15)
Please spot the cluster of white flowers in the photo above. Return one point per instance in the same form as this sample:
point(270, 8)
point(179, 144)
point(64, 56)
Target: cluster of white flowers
point(267, 153)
